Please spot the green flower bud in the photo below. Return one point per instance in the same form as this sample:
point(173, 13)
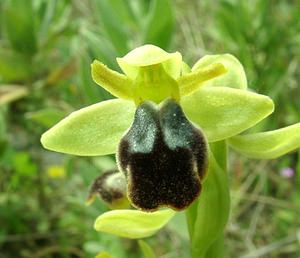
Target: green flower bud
point(111, 188)
point(163, 156)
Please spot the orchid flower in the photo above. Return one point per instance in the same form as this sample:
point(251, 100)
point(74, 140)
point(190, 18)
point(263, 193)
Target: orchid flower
point(170, 126)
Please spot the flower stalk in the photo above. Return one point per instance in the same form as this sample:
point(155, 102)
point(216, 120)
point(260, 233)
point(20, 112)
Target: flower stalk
point(210, 213)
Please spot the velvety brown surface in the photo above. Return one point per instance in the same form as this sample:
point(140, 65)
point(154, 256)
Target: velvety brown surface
point(107, 194)
point(163, 156)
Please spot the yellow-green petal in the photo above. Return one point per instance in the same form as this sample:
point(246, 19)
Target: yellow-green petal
point(223, 112)
point(268, 145)
point(132, 223)
point(91, 131)
point(190, 82)
point(185, 68)
point(235, 76)
point(150, 55)
point(117, 84)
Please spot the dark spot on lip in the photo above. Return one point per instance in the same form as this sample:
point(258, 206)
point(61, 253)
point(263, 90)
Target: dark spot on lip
point(164, 166)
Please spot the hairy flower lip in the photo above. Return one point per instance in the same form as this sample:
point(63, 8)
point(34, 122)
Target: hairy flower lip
point(163, 156)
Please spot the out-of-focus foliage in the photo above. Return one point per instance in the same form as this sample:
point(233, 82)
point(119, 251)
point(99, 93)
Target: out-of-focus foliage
point(46, 48)
point(265, 36)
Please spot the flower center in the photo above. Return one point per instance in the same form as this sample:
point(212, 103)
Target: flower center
point(155, 84)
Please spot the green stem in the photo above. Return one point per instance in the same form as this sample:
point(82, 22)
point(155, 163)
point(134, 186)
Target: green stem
point(219, 149)
point(191, 215)
point(208, 216)
point(216, 250)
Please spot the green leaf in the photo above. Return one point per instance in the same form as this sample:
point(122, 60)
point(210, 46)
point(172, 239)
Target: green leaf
point(19, 22)
point(93, 94)
point(23, 165)
point(146, 249)
point(13, 66)
point(113, 25)
point(159, 23)
point(3, 133)
point(213, 210)
point(46, 117)
point(268, 145)
point(2, 125)
point(91, 131)
point(217, 249)
point(123, 9)
point(223, 112)
point(235, 76)
point(132, 223)
point(191, 215)
point(103, 255)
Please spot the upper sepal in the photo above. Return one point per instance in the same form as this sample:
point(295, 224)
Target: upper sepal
point(148, 55)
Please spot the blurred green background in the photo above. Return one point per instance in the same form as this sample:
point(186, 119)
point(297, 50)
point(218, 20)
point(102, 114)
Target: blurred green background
point(46, 48)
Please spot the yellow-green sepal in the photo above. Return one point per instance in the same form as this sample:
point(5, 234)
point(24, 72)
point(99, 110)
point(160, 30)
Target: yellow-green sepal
point(91, 131)
point(223, 112)
point(148, 55)
point(267, 145)
point(132, 223)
